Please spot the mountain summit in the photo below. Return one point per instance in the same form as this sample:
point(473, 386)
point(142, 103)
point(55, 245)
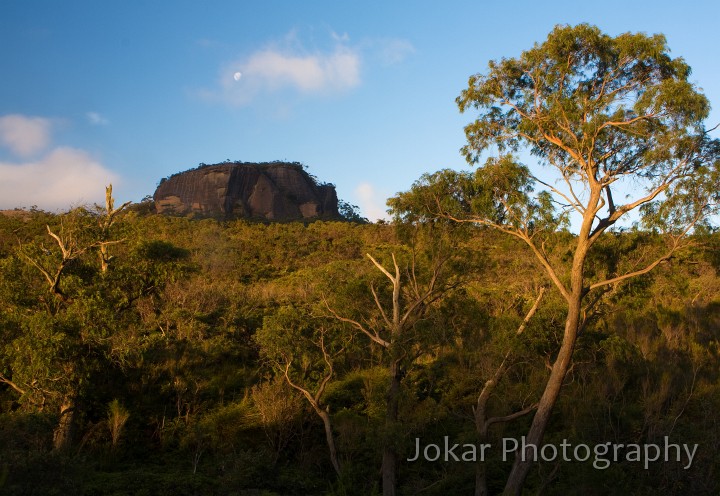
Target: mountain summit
point(277, 191)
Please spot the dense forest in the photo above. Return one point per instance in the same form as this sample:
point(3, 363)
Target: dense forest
point(542, 329)
point(144, 354)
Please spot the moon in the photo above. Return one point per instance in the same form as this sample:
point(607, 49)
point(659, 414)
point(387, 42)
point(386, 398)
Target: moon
point(237, 76)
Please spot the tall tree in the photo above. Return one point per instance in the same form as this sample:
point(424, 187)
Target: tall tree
point(61, 323)
point(105, 222)
point(610, 117)
point(298, 346)
point(67, 317)
point(393, 325)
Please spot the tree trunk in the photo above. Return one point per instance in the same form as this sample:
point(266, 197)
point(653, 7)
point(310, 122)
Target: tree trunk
point(521, 467)
point(481, 470)
point(574, 299)
point(389, 466)
point(325, 416)
point(481, 480)
point(65, 429)
point(389, 462)
point(482, 423)
point(481, 427)
point(104, 258)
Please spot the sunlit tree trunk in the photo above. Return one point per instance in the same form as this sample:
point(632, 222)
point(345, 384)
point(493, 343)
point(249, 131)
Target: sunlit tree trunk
point(523, 461)
point(522, 464)
point(65, 430)
point(394, 328)
point(314, 400)
point(330, 439)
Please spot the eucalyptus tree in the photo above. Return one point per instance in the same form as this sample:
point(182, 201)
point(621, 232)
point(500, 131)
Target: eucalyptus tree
point(65, 316)
point(399, 318)
point(303, 348)
point(614, 129)
point(57, 318)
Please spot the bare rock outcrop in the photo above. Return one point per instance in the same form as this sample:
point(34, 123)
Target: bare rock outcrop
point(277, 191)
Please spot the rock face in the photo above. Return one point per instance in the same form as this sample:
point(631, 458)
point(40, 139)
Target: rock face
point(273, 191)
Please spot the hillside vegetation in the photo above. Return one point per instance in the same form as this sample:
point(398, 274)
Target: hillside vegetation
point(143, 354)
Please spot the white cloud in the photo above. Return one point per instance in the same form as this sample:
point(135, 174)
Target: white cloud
point(370, 204)
point(24, 136)
point(65, 177)
point(59, 178)
point(274, 69)
point(395, 51)
point(343, 38)
point(287, 65)
point(96, 119)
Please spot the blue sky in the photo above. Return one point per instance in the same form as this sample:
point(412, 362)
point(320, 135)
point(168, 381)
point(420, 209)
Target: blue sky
point(361, 92)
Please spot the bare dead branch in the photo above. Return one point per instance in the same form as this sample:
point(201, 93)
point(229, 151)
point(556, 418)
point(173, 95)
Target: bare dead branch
point(372, 335)
point(383, 269)
point(380, 307)
point(513, 416)
point(531, 312)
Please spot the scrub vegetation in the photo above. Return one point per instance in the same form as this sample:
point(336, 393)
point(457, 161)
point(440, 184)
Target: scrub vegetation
point(146, 354)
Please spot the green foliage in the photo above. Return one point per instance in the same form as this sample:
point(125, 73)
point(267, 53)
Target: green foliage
point(183, 331)
point(350, 212)
point(586, 79)
point(181, 344)
point(601, 109)
point(117, 416)
point(499, 193)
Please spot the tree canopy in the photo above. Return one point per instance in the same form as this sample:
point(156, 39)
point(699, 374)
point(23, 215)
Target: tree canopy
point(145, 354)
point(599, 110)
point(599, 119)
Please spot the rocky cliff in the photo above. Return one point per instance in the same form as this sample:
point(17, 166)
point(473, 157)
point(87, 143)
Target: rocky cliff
point(272, 191)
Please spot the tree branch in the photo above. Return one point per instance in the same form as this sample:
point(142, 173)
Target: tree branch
point(629, 275)
point(304, 391)
point(513, 416)
point(11, 384)
point(574, 204)
point(383, 269)
point(524, 237)
point(531, 312)
point(380, 307)
point(373, 336)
